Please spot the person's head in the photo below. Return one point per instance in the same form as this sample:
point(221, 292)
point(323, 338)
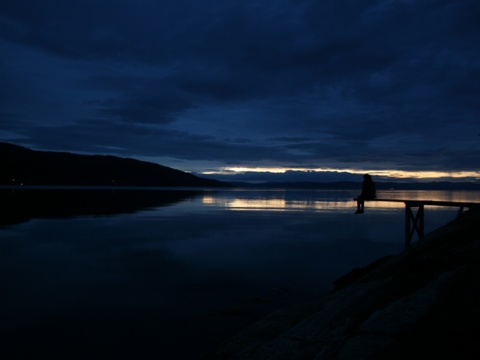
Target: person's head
point(367, 177)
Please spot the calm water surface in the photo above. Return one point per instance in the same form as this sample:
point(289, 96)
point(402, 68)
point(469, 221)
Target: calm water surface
point(174, 275)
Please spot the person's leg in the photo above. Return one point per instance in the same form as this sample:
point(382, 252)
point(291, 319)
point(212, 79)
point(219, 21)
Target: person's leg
point(360, 205)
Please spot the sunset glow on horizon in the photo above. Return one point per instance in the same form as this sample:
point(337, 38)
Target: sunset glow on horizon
point(390, 174)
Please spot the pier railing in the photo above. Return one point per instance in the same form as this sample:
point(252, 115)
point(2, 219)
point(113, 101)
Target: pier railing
point(415, 214)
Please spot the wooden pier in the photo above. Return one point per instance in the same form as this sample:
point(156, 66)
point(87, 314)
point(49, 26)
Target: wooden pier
point(415, 220)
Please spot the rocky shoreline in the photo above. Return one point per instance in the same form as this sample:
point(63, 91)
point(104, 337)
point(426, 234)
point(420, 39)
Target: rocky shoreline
point(422, 303)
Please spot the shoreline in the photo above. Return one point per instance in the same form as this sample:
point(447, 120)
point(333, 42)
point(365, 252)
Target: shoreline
point(405, 306)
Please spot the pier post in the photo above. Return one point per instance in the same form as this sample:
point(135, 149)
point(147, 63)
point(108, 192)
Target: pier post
point(414, 223)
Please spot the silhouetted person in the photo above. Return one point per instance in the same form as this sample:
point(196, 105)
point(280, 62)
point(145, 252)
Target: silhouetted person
point(368, 193)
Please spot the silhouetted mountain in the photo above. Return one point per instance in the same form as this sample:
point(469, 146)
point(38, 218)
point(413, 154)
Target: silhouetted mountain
point(352, 185)
point(436, 185)
point(19, 165)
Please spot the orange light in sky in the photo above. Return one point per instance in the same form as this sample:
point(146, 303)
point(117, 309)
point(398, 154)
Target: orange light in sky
point(394, 174)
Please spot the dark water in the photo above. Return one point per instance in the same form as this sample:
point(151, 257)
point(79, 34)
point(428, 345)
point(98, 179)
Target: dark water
point(172, 274)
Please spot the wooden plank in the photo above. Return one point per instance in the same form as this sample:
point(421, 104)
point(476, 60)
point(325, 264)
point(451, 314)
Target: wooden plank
point(415, 223)
point(427, 202)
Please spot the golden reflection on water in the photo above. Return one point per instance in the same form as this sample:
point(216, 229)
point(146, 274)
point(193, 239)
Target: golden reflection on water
point(280, 203)
point(273, 204)
point(433, 195)
point(209, 200)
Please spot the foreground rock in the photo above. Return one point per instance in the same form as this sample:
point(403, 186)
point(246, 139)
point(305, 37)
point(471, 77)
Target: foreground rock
point(423, 303)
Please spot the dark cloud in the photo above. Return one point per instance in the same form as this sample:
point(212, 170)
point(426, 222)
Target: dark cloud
point(384, 83)
point(121, 138)
point(146, 102)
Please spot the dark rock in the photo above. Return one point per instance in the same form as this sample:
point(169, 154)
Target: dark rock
point(423, 303)
point(357, 273)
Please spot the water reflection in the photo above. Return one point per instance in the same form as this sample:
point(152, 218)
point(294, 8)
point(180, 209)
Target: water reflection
point(326, 200)
point(21, 205)
point(144, 283)
point(433, 195)
point(285, 205)
point(280, 200)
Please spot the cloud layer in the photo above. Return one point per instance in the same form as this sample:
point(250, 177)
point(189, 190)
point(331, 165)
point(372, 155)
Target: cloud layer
point(390, 84)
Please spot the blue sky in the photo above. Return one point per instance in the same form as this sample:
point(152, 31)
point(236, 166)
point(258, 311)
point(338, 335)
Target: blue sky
point(325, 90)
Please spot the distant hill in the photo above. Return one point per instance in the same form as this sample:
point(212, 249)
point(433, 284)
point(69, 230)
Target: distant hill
point(352, 185)
point(19, 165)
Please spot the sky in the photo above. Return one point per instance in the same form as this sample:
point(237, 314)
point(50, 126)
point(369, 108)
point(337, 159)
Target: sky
point(249, 89)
